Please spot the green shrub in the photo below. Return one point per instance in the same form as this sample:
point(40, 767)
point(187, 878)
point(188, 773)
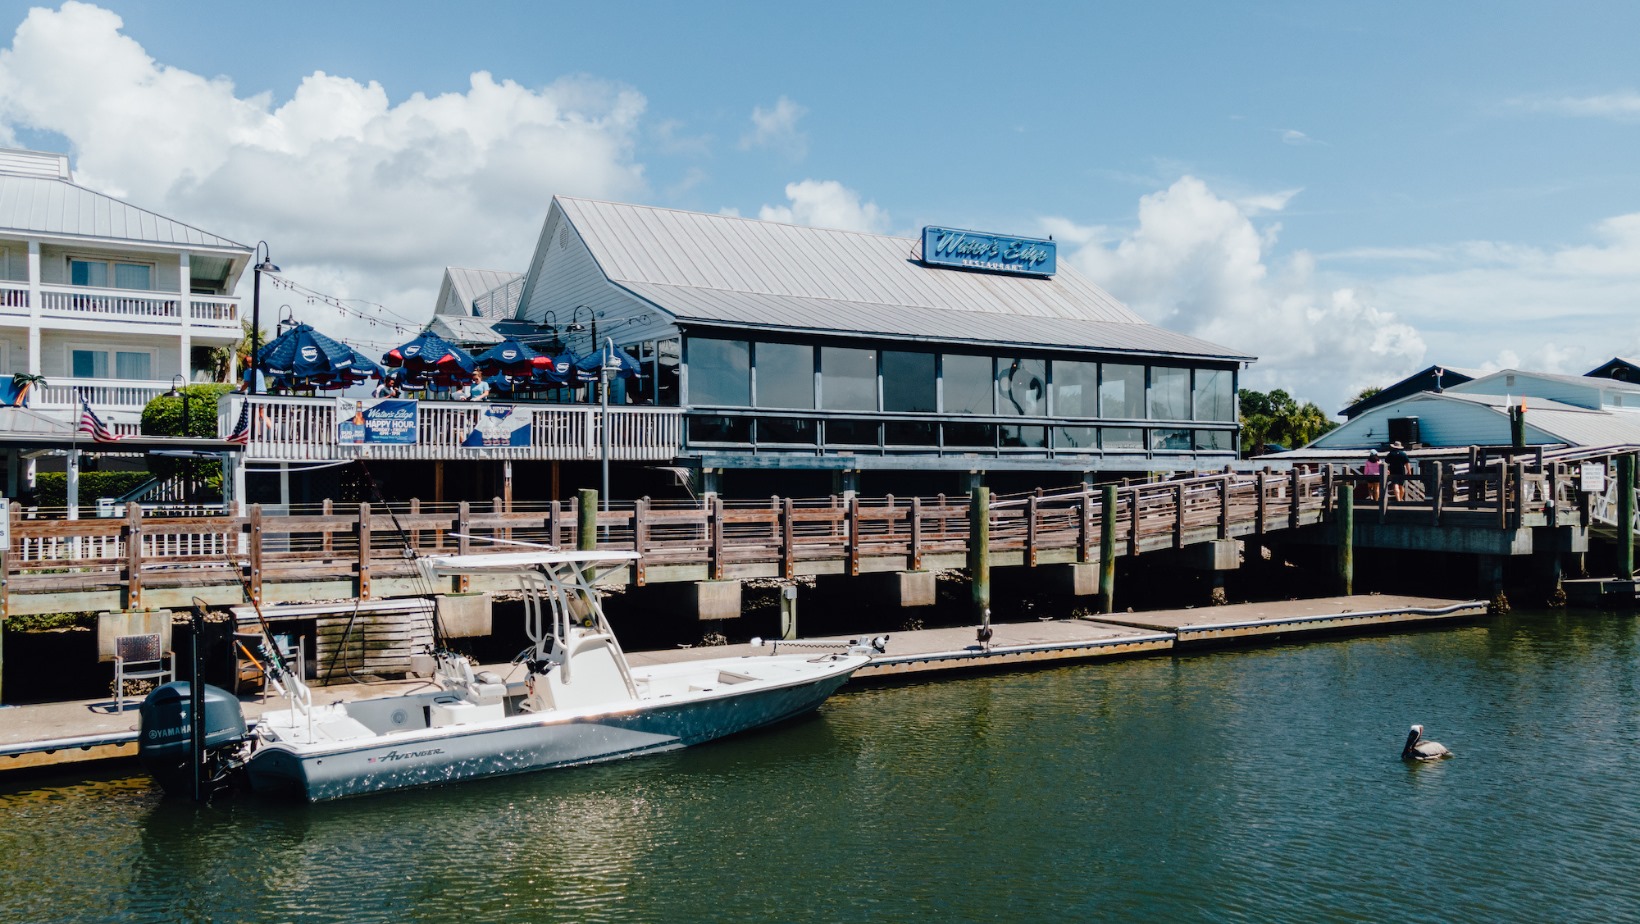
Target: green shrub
point(53, 486)
point(162, 416)
point(45, 622)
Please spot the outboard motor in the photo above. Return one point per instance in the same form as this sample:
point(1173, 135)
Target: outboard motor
point(165, 736)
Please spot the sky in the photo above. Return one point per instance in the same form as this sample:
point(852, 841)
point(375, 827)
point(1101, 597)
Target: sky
point(1350, 192)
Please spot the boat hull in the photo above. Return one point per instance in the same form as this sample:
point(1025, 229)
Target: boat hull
point(530, 743)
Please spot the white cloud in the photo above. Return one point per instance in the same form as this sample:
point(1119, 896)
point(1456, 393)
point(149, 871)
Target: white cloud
point(826, 204)
point(356, 195)
point(1621, 106)
point(1295, 137)
point(1197, 263)
point(776, 129)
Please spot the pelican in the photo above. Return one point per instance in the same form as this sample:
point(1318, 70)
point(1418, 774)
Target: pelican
point(1419, 749)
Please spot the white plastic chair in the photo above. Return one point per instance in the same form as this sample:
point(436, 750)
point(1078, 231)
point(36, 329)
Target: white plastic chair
point(139, 657)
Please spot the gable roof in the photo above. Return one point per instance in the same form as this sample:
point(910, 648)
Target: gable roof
point(1424, 380)
point(723, 270)
point(32, 203)
point(463, 287)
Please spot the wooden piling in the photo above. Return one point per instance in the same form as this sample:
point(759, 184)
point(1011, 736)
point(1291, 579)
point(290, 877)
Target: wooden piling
point(1107, 550)
point(586, 519)
point(1625, 517)
point(979, 549)
point(1346, 538)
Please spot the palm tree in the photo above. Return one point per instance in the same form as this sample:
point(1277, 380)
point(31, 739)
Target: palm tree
point(24, 382)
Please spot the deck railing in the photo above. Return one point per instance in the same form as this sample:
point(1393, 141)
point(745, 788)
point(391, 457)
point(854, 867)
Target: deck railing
point(103, 394)
point(13, 298)
point(137, 306)
point(305, 429)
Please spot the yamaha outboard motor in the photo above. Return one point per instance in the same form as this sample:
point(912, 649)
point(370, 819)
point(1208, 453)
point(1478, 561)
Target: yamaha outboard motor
point(165, 736)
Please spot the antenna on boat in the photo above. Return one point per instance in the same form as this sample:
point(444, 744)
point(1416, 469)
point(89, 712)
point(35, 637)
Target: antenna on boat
point(439, 638)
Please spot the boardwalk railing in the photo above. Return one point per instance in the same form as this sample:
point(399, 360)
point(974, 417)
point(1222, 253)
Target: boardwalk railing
point(779, 537)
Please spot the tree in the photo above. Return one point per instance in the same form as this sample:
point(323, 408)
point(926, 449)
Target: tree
point(162, 416)
point(1365, 393)
point(222, 357)
point(1277, 417)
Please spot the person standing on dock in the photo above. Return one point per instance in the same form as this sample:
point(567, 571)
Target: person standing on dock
point(1398, 464)
point(1374, 469)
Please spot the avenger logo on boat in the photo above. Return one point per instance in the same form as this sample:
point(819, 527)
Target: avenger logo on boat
point(407, 755)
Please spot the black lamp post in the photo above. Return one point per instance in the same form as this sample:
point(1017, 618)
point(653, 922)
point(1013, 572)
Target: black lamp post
point(177, 392)
point(266, 266)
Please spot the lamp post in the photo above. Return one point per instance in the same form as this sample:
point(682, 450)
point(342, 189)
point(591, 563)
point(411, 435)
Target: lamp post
point(266, 266)
point(603, 415)
point(187, 424)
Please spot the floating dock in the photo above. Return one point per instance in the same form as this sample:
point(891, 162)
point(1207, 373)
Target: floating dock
point(76, 732)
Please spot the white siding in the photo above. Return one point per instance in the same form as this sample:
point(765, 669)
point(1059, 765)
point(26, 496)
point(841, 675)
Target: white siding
point(1526, 385)
point(1441, 422)
point(564, 275)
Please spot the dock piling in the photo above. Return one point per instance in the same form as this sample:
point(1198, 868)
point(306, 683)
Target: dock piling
point(1625, 517)
point(1346, 538)
point(979, 549)
point(1107, 550)
point(586, 519)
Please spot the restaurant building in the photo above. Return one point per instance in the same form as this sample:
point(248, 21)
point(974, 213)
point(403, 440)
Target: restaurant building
point(846, 360)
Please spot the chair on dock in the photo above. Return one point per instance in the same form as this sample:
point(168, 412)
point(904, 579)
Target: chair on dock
point(140, 657)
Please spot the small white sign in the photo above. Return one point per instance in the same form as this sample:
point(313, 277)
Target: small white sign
point(1591, 477)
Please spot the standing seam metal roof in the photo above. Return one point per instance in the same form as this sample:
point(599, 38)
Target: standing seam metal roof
point(722, 269)
point(45, 205)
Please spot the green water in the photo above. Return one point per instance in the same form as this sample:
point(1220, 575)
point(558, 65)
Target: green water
point(1251, 785)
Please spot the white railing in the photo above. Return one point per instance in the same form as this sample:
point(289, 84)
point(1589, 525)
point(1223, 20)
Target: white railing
point(103, 394)
point(13, 298)
point(81, 301)
point(215, 309)
point(304, 429)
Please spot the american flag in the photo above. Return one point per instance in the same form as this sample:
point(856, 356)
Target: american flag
point(242, 430)
point(91, 425)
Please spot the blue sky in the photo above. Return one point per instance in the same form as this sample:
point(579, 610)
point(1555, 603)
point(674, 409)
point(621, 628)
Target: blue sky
point(1350, 192)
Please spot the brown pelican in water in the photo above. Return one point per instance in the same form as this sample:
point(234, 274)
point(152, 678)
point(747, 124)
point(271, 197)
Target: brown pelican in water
point(1419, 749)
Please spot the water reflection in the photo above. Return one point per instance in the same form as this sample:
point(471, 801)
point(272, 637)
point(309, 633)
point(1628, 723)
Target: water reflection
point(1262, 784)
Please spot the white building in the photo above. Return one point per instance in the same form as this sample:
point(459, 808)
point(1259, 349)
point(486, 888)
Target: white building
point(102, 297)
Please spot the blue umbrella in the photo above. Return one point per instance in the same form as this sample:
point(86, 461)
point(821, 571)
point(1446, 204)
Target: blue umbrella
point(431, 356)
point(620, 364)
point(509, 356)
point(302, 352)
point(559, 370)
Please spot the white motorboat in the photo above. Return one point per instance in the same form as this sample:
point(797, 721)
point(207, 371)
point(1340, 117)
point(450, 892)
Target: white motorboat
point(578, 700)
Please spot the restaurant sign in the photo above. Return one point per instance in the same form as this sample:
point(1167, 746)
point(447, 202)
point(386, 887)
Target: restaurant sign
point(994, 252)
point(375, 420)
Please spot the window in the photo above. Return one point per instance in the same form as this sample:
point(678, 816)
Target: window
point(93, 364)
point(720, 372)
point(1213, 440)
point(908, 381)
point(1170, 439)
point(96, 273)
point(1022, 385)
point(715, 429)
point(132, 365)
point(1122, 439)
point(1122, 391)
point(971, 435)
point(968, 388)
point(1075, 439)
point(910, 433)
point(89, 364)
point(1215, 398)
point(1015, 436)
point(851, 433)
point(1075, 389)
point(1169, 394)
point(848, 380)
point(785, 376)
point(785, 430)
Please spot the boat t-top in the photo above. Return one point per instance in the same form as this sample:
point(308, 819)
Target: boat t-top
point(578, 701)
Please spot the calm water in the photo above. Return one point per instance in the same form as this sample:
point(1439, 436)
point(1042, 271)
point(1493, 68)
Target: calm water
point(1255, 785)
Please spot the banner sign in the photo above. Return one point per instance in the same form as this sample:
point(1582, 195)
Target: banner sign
point(994, 252)
point(1591, 477)
point(375, 421)
point(500, 425)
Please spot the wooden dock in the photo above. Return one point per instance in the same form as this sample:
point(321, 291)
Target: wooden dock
point(85, 731)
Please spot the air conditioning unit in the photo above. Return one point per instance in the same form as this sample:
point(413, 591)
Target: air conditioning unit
point(1404, 430)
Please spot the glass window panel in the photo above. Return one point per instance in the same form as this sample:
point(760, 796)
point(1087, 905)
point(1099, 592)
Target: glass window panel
point(848, 379)
point(720, 372)
point(971, 435)
point(910, 433)
point(908, 381)
point(131, 365)
point(1022, 387)
point(785, 430)
point(1169, 393)
point(711, 428)
point(1170, 439)
point(1075, 387)
point(1015, 436)
point(1214, 440)
point(785, 375)
point(88, 273)
point(90, 364)
point(1075, 439)
point(1215, 399)
point(968, 388)
point(1122, 439)
point(133, 276)
point(1122, 391)
point(851, 433)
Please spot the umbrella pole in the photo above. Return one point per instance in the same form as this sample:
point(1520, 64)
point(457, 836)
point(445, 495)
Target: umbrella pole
point(603, 420)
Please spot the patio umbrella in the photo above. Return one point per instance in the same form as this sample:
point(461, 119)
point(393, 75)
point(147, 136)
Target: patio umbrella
point(619, 363)
point(303, 353)
point(432, 357)
point(509, 356)
point(554, 370)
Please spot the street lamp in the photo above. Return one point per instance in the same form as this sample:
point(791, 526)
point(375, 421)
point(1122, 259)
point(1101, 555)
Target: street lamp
point(187, 424)
point(266, 266)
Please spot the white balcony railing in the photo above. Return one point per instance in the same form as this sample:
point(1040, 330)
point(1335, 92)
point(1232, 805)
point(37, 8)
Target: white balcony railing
point(304, 429)
point(13, 298)
point(103, 394)
point(139, 307)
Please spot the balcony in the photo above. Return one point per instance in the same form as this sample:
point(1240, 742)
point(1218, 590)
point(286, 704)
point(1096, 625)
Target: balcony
point(103, 394)
point(304, 429)
point(160, 309)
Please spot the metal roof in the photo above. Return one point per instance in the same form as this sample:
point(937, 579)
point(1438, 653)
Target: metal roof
point(717, 269)
point(465, 286)
point(1556, 421)
point(54, 206)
